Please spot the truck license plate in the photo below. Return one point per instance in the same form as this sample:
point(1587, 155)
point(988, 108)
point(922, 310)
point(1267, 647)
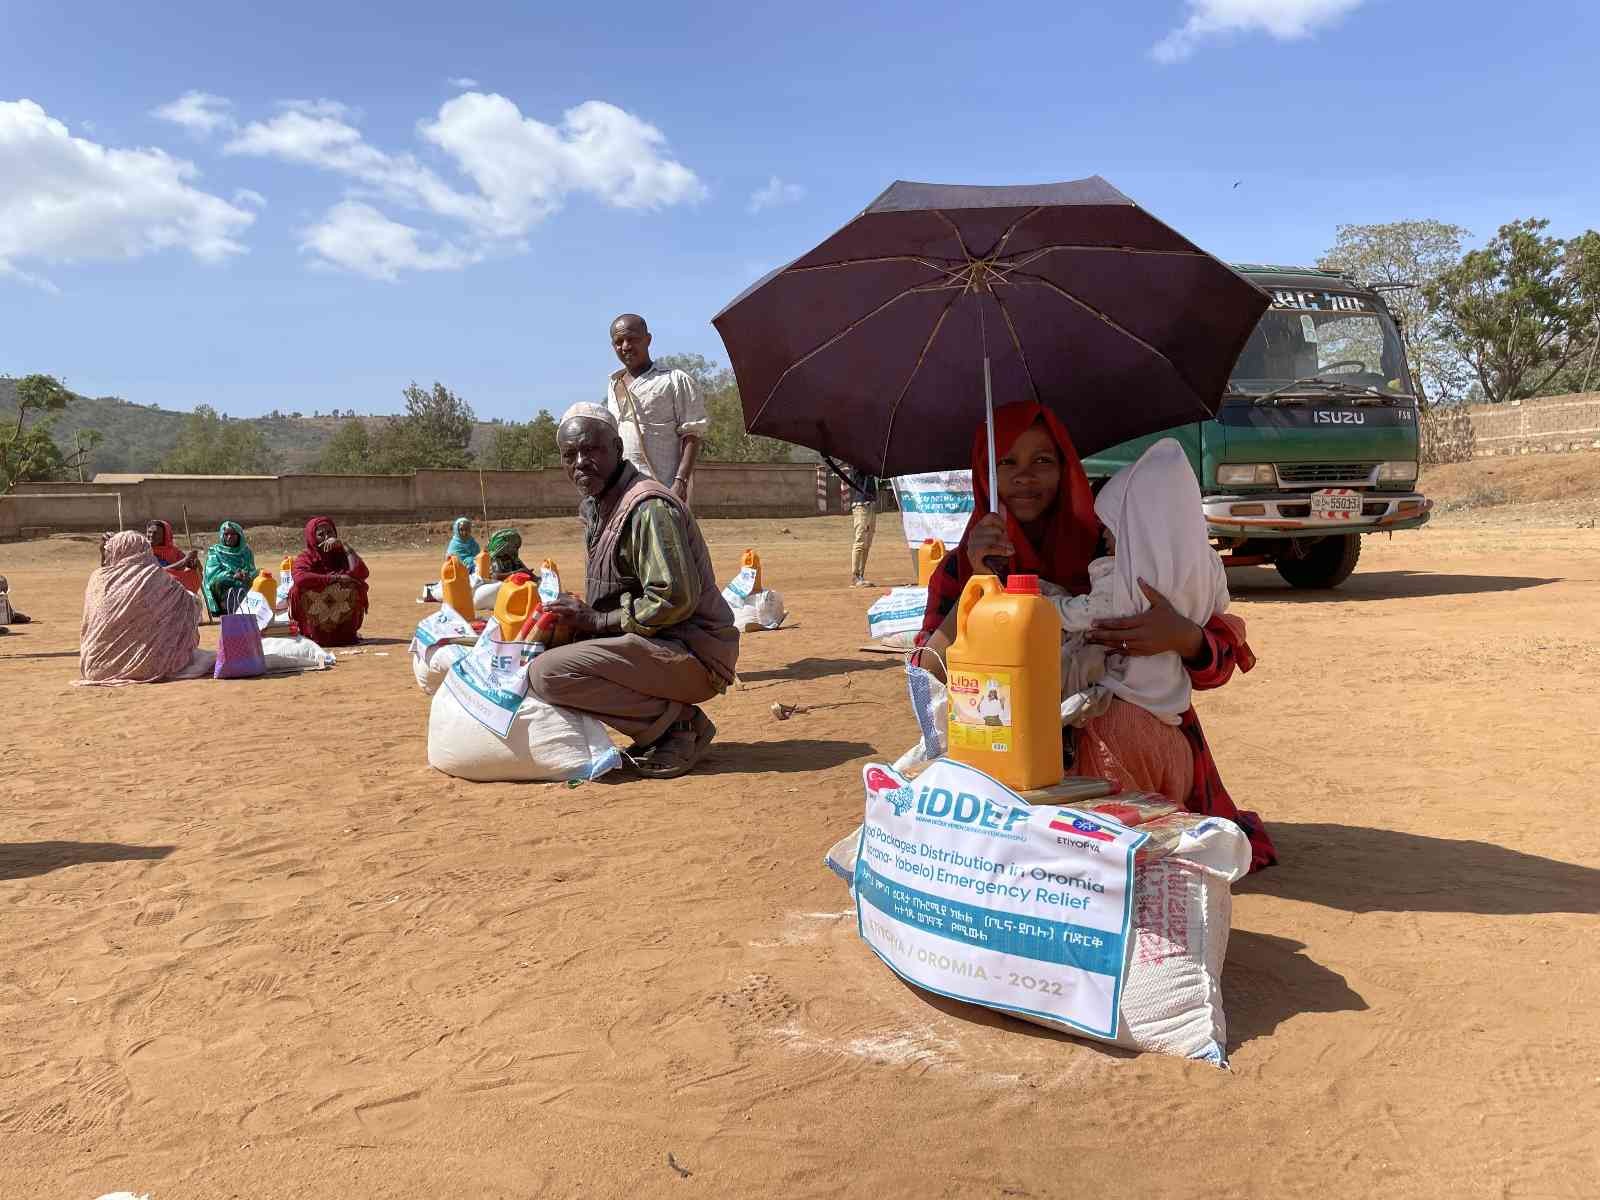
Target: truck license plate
point(1335, 504)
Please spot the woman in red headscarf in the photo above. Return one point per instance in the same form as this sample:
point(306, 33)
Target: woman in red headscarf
point(185, 568)
point(1047, 527)
point(329, 595)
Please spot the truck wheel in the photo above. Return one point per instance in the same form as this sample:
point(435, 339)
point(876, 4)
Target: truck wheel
point(1324, 563)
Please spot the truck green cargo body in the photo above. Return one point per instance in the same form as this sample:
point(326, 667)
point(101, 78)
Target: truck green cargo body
point(1316, 442)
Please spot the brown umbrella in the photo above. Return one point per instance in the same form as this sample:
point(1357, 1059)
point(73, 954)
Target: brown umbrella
point(886, 344)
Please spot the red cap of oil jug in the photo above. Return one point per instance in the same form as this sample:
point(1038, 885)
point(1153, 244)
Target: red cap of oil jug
point(1022, 585)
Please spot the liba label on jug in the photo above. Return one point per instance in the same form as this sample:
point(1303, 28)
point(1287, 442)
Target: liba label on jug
point(980, 710)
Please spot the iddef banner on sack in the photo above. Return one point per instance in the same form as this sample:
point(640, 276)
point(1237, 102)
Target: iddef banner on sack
point(937, 504)
point(965, 889)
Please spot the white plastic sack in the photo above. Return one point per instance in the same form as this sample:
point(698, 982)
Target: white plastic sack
point(543, 745)
point(1182, 903)
point(894, 620)
point(761, 610)
point(484, 595)
point(428, 660)
point(285, 655)
point(740, 588)
point(930, 704)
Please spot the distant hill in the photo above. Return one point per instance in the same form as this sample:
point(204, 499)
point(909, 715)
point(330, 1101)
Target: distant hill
point(137, 436)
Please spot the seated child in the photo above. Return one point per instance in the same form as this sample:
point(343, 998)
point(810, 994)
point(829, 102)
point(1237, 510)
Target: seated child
point(1156, 532)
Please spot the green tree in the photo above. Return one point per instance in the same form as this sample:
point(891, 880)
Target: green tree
point(524, 447)
point(349, 450)
point(1406, 259)
point(727, 440)
point(434, 432)
point(214, 444)
point(28, 451)
point(1523, 308)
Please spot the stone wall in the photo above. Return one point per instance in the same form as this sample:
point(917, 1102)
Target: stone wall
point(1546, 424)
point(721, 490)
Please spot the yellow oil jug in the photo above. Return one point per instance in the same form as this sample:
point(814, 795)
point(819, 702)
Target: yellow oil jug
point(455, 587)
point(515, 604)
point(1005, 682)
point(265, 585)
point(287, 564)
point(752, 560)
point(929, 555)
point(483, 566)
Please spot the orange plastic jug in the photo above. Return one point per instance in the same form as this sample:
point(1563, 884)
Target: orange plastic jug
point(929, 555)
point(287, 564)
point(1005, 682)
point(265, 585)
point(483, 566)
point(455, 587)
point(515, 602)
point(752, 560)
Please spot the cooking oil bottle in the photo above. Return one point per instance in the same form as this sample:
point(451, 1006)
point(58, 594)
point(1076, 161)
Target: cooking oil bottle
point(482, 566)
point(1005, 682)
point(929, 555)
point(265, 585)
point(752, 560)
point(455, 587)
point(516, 602)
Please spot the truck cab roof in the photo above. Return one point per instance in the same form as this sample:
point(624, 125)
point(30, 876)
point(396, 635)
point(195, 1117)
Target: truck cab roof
point(1263, 275)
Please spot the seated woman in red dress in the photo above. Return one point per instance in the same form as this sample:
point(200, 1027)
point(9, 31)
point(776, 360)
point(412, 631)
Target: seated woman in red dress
point(1047, 527)
point(185, 568)
point(329, 596)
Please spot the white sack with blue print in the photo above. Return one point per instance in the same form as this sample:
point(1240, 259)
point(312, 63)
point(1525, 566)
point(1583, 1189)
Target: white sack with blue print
point(1107, 921)
point(485, 727)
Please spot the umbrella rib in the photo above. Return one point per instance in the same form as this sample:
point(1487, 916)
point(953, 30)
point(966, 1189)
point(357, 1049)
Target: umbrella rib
point(810, 354)
point(921, 260)
point(1017, 342)
point(1120, 328)
point(894, 410)
point(1000, 246)
point(960, 241)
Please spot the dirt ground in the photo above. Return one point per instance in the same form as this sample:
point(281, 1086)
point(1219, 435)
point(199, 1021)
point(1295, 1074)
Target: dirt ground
point(251, 946)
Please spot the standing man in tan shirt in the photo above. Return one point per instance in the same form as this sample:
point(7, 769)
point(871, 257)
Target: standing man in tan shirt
point(659, 410)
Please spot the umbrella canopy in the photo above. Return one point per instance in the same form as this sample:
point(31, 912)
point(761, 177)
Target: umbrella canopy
point(872, 347)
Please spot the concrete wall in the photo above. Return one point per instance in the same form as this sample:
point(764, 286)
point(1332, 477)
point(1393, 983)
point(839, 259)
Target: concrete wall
point(721, 490)
point(1545, 424)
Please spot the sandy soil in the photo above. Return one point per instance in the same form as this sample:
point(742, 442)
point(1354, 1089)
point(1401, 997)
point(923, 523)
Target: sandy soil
point(251, 946)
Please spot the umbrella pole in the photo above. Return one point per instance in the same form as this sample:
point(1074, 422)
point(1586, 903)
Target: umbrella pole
point(988, 409)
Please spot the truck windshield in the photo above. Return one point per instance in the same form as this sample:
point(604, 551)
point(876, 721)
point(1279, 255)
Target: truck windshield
point(1316, 338)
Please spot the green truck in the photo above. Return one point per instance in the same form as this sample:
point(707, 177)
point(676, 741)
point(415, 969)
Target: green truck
point(1316, 443)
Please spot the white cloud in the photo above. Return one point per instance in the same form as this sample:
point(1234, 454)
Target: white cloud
point(1285, 20)
point(68, 199)
point(249, 196)
point(321, 108)
point(300, 136)
point(359, 238)
point(525, 168)
point(776, 194)
point(464, 82)
point(201, 113)
point(521, 169)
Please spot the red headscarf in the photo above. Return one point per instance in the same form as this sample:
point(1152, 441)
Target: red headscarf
point(313, 558)
point(328, 611)
point(164, 549)
point(1070, 539)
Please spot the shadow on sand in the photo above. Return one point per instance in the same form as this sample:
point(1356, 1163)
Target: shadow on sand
point(1263, 585)
point(24, 860)
point(1357, 869)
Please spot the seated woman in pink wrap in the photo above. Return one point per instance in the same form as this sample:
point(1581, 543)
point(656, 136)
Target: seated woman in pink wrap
point(139, 623)
point(329, 596)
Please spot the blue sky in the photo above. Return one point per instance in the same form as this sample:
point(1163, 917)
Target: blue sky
point(356, 195)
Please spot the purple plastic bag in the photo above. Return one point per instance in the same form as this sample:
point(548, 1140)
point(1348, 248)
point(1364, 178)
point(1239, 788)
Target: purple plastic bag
point(239, 653)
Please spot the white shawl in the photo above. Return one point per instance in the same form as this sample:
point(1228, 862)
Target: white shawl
point(1153, 508)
